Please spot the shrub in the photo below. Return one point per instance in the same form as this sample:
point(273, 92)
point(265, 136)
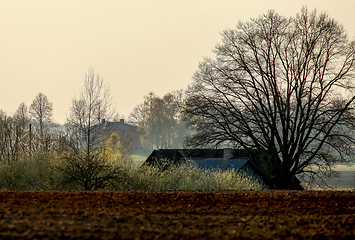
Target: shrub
point(90, 172)
point(186, 177)
point(101, 168)
point(35, 173)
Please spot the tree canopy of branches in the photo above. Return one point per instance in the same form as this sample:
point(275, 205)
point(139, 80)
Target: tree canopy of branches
point(87, 111)
point(159, 120)
point(283, 86)
point(19, 141)
point(21, 115)
point(11, 146)
point(41, 110)
point(86, 163)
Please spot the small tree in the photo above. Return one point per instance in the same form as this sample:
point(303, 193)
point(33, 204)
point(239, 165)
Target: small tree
point(280, 87)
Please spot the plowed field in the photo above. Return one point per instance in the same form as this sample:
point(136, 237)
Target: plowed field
point(177, 215)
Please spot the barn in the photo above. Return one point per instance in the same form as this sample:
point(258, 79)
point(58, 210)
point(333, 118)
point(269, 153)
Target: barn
point(223, 159)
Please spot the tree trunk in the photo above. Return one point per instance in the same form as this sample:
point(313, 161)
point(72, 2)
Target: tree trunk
point(288, 182)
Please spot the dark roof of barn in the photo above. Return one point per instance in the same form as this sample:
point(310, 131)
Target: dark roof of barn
point(193, 154)
point(218, 163)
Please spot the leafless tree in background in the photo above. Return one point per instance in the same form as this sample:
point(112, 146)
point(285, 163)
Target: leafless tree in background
point(88, 111)
point(9, 149)
point(14, 135)
point(281, 86)
point(18, 140)
point(41, 110)
point(22, 115)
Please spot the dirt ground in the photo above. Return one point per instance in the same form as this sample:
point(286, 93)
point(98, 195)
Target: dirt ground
point(177, 215)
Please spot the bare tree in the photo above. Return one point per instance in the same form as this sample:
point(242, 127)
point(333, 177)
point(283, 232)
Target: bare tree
point(279, 86)
point(9, 149)
point(19, 140)
point(86, 164)
point(87, 112)
point(41, 110)
point(13, 137)
point(22, 121)
point(22, 115)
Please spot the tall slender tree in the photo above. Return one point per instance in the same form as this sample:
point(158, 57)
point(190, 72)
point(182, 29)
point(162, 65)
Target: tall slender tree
point(86, 163)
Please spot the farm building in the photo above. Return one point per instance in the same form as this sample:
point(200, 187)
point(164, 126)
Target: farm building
point(127, 133)
point(223, 159)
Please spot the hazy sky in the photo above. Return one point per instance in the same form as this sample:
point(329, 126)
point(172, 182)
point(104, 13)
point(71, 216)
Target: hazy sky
point(137, 46)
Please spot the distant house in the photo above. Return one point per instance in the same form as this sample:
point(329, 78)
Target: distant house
point(223, 159)
point(127, 133)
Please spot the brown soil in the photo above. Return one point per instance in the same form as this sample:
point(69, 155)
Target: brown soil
point(177, 215)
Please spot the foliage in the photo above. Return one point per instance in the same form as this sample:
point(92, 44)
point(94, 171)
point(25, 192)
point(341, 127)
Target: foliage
point(36, 173)
point(283, 87)
point(188, 177)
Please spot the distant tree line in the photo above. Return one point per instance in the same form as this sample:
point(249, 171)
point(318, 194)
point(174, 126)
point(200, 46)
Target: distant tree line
point(160, 121)
point(29, 130)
